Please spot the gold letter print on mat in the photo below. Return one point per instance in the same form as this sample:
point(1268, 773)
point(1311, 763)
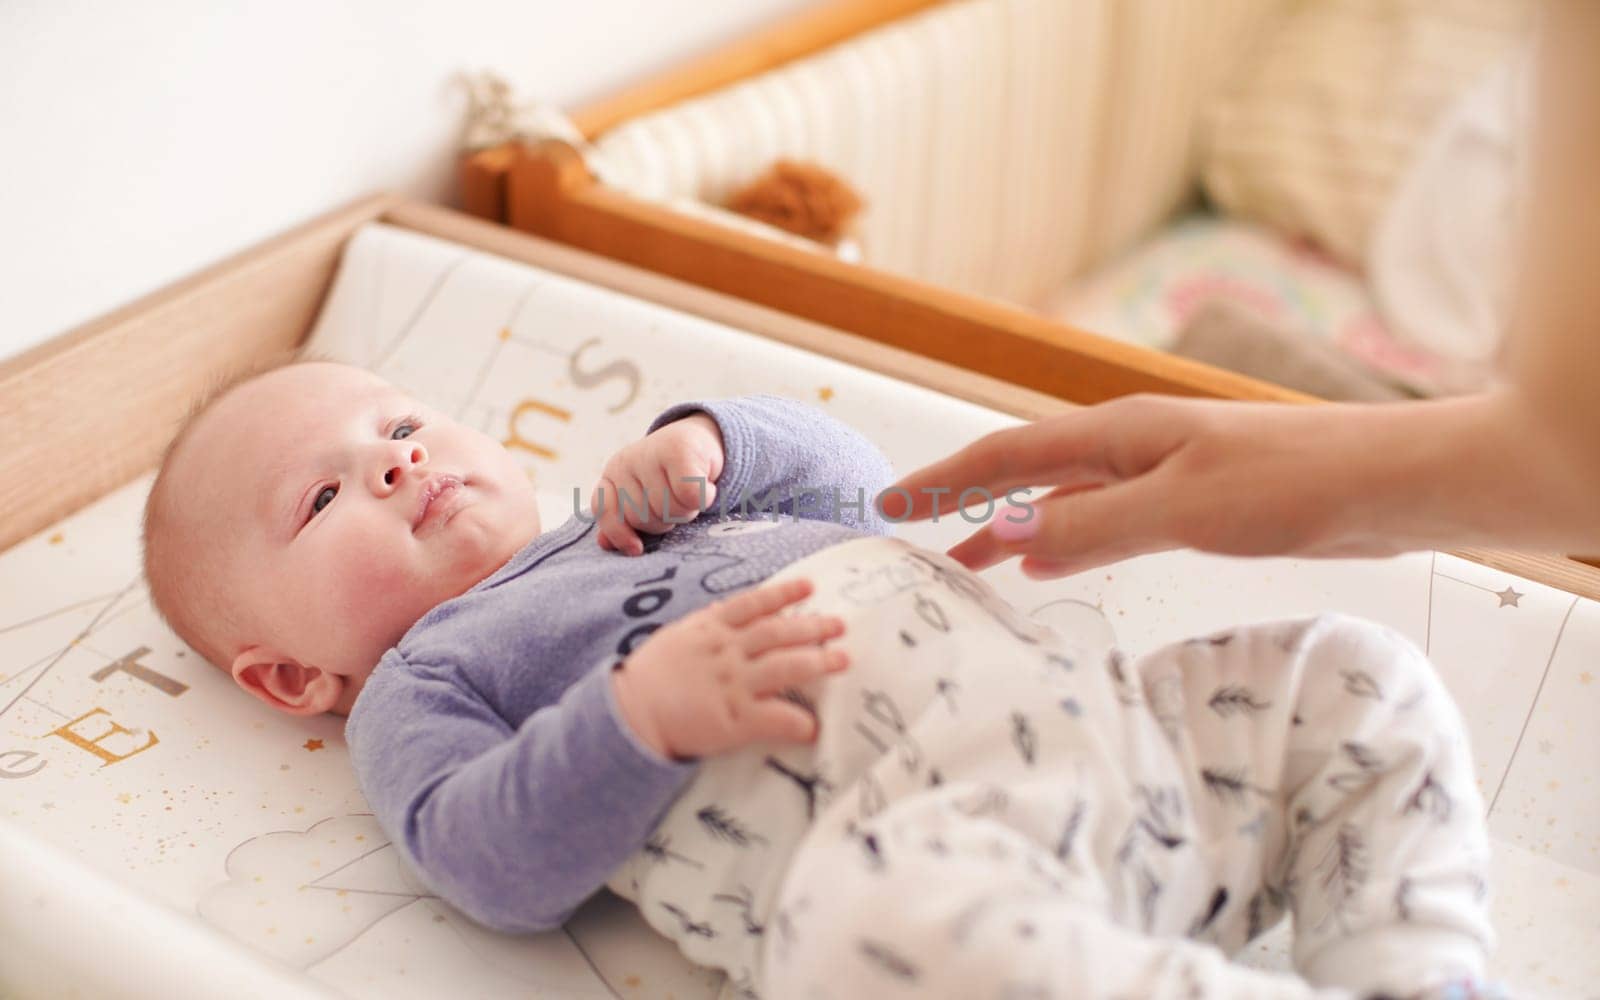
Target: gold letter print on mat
point(92, 745)
point(514, 438)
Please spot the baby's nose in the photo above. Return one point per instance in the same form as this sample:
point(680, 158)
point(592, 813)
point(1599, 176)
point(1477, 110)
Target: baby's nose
point(408, 457)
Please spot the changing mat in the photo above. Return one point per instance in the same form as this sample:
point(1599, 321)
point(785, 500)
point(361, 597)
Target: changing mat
point(161, 833)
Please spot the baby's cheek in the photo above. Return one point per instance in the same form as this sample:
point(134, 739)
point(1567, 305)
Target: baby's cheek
point(377, 586)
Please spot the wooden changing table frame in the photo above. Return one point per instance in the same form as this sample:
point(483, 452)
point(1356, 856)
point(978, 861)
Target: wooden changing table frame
point(92, 409)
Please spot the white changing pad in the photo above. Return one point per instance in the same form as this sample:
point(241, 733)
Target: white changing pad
point(161, 833)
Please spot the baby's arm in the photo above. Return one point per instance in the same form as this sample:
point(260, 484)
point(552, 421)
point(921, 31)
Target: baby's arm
point(519, 827)
point(516, 827)
point(714, 680)
point(775, 449)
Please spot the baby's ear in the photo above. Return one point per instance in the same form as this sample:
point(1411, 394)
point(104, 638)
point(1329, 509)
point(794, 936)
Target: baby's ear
point(284, 684)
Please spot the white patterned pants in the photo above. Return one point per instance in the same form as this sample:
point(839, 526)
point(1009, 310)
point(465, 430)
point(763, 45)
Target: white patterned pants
point(993, 811)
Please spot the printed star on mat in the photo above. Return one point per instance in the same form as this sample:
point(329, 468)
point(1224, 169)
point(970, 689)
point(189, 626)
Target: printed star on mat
point(1509, 596)
point(824, 394)
point(312, 744)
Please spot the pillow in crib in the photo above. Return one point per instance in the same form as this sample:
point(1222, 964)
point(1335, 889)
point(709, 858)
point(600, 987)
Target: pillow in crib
point(1315, 129)
point(1149, 295)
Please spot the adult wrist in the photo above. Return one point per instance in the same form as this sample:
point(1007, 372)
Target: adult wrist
point(1479, 470)
point(1557, 453)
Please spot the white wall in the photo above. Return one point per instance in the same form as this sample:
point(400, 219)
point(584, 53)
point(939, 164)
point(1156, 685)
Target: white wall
point(140, 141)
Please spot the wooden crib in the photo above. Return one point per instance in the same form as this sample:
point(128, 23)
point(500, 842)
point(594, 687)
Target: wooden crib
point(547, 189)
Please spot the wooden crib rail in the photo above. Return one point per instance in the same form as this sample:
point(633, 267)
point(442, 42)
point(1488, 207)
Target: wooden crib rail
point(552, 194)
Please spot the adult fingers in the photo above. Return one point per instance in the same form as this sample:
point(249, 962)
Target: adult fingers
point(786, 668)
point(751, 604)
point(1088, 446)
point(794, 630)
point(1082, 529)
point(982, 548)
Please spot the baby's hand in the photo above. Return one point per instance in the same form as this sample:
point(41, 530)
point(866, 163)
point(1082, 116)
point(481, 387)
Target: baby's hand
point(710, 682)
point(676, 467)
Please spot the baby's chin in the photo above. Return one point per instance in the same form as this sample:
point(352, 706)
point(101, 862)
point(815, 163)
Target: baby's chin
point(478, 543)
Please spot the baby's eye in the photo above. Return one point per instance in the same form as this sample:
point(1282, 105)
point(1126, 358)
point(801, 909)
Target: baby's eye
point(404, 430)
point(324, 497)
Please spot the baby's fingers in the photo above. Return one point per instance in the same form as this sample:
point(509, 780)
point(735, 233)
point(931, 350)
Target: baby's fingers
point(763, 600)
point(798, 630)
point(779, 721)
point(611, 527)
point(788, 668)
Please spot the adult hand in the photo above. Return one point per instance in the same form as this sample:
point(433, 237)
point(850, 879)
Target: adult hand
point(1146, 473)
point(712, 681)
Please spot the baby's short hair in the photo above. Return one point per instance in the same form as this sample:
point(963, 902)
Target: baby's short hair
point(178, 579)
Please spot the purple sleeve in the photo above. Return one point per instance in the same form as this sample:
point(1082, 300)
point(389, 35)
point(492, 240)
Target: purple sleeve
point(515, 827)
point(783, 456)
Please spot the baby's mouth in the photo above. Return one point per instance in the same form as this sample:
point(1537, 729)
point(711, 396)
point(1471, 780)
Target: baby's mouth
point(437, 502)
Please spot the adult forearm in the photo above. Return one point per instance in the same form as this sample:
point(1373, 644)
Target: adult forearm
point(1519, 467)
point(1479, 470)
point(1553, 350)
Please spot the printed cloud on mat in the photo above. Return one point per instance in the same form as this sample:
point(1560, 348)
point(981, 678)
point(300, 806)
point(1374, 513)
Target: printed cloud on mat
point(338, 901)
point(303, 895)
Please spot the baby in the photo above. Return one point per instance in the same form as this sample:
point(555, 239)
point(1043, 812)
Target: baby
point(821, 759)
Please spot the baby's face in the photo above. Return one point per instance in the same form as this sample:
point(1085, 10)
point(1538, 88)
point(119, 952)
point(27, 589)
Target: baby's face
point(348, 511)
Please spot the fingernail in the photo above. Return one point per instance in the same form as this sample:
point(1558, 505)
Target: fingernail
point(902, 505)
point(838, 659)
point(1010, 527)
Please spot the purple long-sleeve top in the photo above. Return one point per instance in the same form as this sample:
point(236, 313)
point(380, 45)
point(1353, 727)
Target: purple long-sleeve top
point(489, 742)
